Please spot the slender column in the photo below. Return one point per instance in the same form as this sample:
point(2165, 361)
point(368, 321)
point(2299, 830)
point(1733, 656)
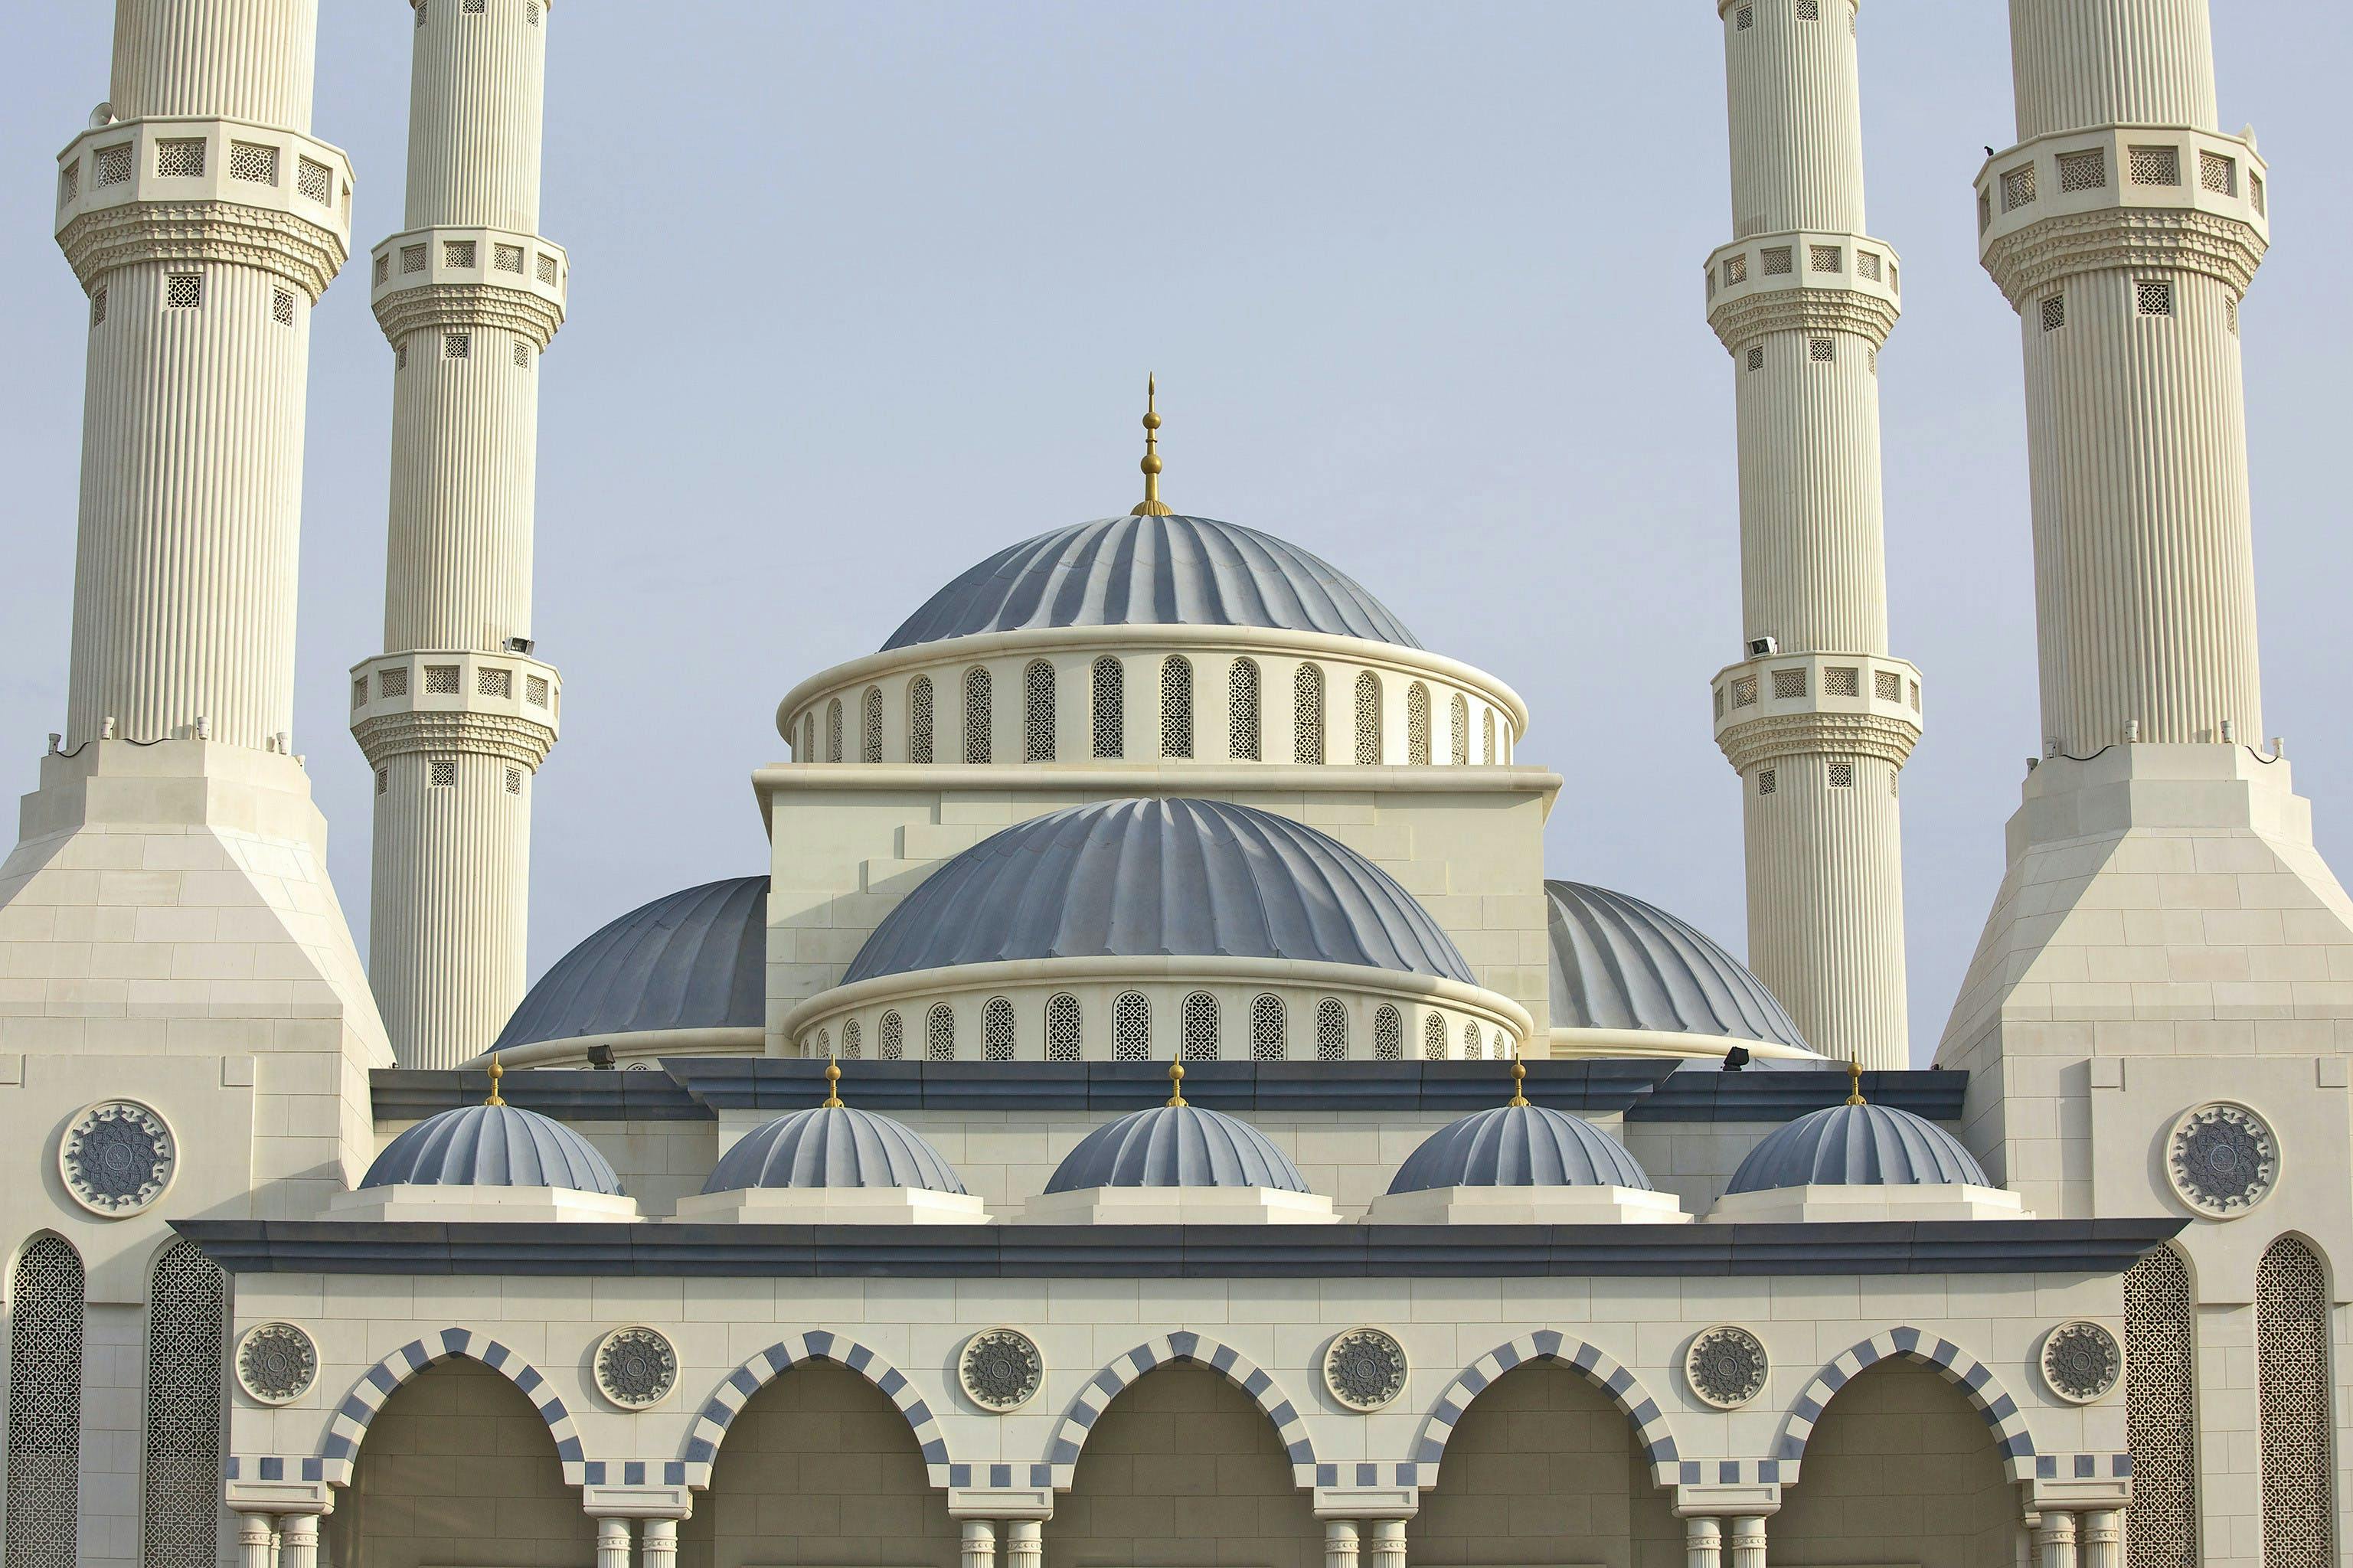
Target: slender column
point(612, 1543)
point(979, 1543)
point(1025, 1543)
point(1703, 1541)
point(456, 717)
point(298, 1541)
point(255, 1534)
point(1386, 1545)
point(1748, 1541)
point(1818, 717)
point(2054, 1540)
point(1340, 1547)
point(2103, 1538)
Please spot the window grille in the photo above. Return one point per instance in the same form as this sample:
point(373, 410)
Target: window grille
point(400, 356)
point(382, 269)
point(534, 690)
point(833, 730)
point(491, 682)
point(1895, 283)
point(2154, 166)
point(1841, 775)
point(2054, 313)
point(1743, 691)
point(457, 253)
point(184, 290)
point(1307, 715)
point(1887, 686)
point(870, 711)
point(2017, 187)
point(530, 11)
point(1756, 359)
point(441, 681)
point(1821, 350)
point(853, 1040)
point(457, 345)
point(1038, 712)
point(69, 184)
point(180, 160)
point(254, 164)
point(1788, 683)
point(412, 258)
point(1270, 1029)
point(1458, 712)
point(110, 166)
point(444, 776)
point(521, 355)
point(2083, 171)
point(892, 1038)
point(2231, 314)
point(1417, 724)
point(1736, 269)
point(1331, 1031)
point(2154, 297)
point(514, 780)
point(1745, 18)
point(939, 1033)
point(359, 692)
point(475, 7)
point(919, 720)
point(1109, 696)
point(1985, 212)
point(1779, 260)
point(1176, 707)
point(507, 258)
point(547, 271)
point(1825, 257)
point(1487, 735)
point(1809, 10)
point(1131, 1028)
point(1200, 1016)
point(45, 1355)
point(2292, 1333)
point(1842, 680)
point(975, 715)
point(1768, 780)
point(1870, 358)
point(2160, 1413)
point(392, 682)
point(97, 306)
point(1471, 1042)
point(1916, 696)
point(1719, 701)
point(384, 780)
point(1388, 1035)
point(1065, 1037)
point(1433, 1038)
point(420, 11)
point(2218, 174)
point(2255, 191)
point(185, 1349)
point(1241, 710)
point(1866, 262)
point(825, 1042)
point(997, 1030)
point(807, 751)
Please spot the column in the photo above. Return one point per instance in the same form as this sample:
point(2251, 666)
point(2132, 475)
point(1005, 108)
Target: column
point(2054, 1540)
point(2102, 1534)
point(661, 1540)
point(256, 1533)
point(1386, 1545)
point(1748, 1541)
point(298, 1541)
point(1703, 1541)
point(1340, 1549)
point(1025, 1543)
point(979, 1543)
point(612, 1543)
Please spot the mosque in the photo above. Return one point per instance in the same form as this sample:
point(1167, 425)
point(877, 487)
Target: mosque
point(1154, 1110)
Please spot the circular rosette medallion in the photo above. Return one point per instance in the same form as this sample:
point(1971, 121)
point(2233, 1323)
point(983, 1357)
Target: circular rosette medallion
point(2222, 1159)
point(636, 1367)
point(117, 1157)
point(2081, 1361)
point(1364, 1368)
point(1000, 1369)
point(1727, 1366)
point(276, 1363)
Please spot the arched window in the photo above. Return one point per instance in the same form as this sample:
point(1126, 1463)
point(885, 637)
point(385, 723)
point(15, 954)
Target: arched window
point(1499, 1048)
point(1065, 1039)
point(1307, 715)
point(2293, 1402)
point(1038, 712)
point(1176, 707)
point(45, 1325)
point(939, 1033)
point(182, 1495)
point(1458, 712)
point(2162, 1413)
point(1368, 719)
point(1111, 707)
point(1241, 710)
point(1388, 1035)
point(873, 747)
point(997, 1030)
point(809, 737)
point(1469, 1042)
point(1130, 1029)
point(853, 1040)
point(1487, 735)
point(833, 730)
point(919, 720)
point(1331, 1031)
point(1433, 1038)
point(1270, 1029)
point(1417, 724)
point(975, 715)
point(893, 1043)
point(1200, 1027)
point(825, 1043)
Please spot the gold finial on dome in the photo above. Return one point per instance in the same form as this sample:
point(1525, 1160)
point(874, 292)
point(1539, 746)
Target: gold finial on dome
point(497, 1072)
point(1854, 1082)
point(1151, 505)
point(1519, 1080)
point(832, 1083)
point(1175, 1083)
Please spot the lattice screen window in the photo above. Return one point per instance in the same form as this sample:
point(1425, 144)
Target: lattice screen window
point(1887, 686)
point(1821, 350)
point(2231, 314)
point(1201, 1017)
point(1331, 1031)
point(1736, 269)
point(2218, 174)
point(1130, 1029)
point(412, 258)
point(1756, 359)
point(833, 730)
point(1841, 775)
point(530, 11)
point(1459, 715)
point(252, 162)
point(853, 1040)
point(184, 1354)
point(69, 184)
point(1241, 710)
point(1065, 1034)
point(45, 1355)
point(547, 271)
point(492, 681)
point(441, 681)
point(1176, 707)
point(1270, 1029)
point(1788, 683)
point(1417, 724)
point(180, 160)
point(2087, 170)
point(892, 1037)
point(2160, 1413)
point(507, 258)
point(1719, 701)
point(384, 780)
point(1369, 719)
point(825, 1042)
point(1825, 257)
point(870, 711)
point(2154, 166)
point(315, 181)
point(939, 1033)
point(1110, 702)
point(1916, 696)
point(1809, 10)
point(1779, 260)
point(2153, 297)
point(359, 692)
point(184, 291)
point(477, 7)
point(1038, 712)
point(1471, 1042)
point(392, 682)
point(457, 253)
point(997, 1030)
point(1768, 780)
point(1307, 715)
point(1388, 1035)
point(1745, 18)
point(2054, 313)
point(514, 780)
point(444, 775)
point(382, 269)
point(1487, 735)
point(1985, 212)
point(110, 166)
point(1866, 262)
point(457, 345)
point(534, 690)
point(808, 752)
point(97, 307)
point(1743, 691)
point(521, 355)
point(2017, 187)
point(2255, 191)
point(1841, 681)
point(976, 714)
point(2292, 1333)
point(1433, 1038)
point(919, 720)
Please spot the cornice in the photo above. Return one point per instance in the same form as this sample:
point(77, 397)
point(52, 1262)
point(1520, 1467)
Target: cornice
point(2026, 263)
point(495, 306)
point(518, 740)
point(1768, 736)
point(307, 255)
point(1744, 318)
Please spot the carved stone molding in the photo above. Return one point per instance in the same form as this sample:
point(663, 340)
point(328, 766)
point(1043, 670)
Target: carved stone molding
point(1741, 320)
point(307, 255)
point(513, 307)
point(1768, 736)
point(2028, 262)
point(457, 733)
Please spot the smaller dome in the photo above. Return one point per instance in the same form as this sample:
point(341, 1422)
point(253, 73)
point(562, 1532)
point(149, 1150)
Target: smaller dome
point(695, 959)
point(1177, 1146)
point(492, 1146)
point(833, 1146)
point(1858, 1146)
point(1519, 1146)
point(1620, 964)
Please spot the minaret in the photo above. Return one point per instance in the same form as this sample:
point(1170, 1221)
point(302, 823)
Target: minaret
point(457, 716)
point(1817, 718)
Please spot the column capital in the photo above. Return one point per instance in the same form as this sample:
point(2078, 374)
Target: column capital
point(1728, 1499)
point(636, 1502)
point(1000, 1503)
point(1367, 1502)
point(278, 1497)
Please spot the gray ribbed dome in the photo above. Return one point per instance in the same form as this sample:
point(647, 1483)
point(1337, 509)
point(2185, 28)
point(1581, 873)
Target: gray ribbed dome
point(694, 959)
point(492, 1146)
point(832, 1146)
point(1857, 1146)
point(1620, 964)
point(1177, 1146)
point(1150, 878)
point(1519, 1146)
point(1152, 571)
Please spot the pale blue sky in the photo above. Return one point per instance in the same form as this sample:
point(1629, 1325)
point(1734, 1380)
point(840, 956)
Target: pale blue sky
point(862, 292)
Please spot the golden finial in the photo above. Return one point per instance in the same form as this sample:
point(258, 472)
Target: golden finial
point(1853, 1082)
point(1175, 1083)
point(1151, 505)
point(497, 1072)
point(1519, 1080)
point(832, 1083)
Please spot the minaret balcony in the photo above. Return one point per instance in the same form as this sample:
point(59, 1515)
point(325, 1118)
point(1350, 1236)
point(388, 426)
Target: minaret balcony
point(503, 702)
point(1803, 277)
point(1868, 704)
point(464, 276)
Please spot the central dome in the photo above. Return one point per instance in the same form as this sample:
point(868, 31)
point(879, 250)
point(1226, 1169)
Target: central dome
point(1152, 571)
point(1159, 877)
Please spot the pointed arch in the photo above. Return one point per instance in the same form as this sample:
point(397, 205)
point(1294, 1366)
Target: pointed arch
point(48, 1315)
point(380, 1382)
point(1957, 1367)
point(1624, 1389)
point(719, 1411)
point(1071, 1435)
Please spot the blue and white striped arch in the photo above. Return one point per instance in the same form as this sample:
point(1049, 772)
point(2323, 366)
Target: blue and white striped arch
point(1544, 1345)
point(719, 1411)
point(1955, 1365)
point(1062, 1456)
point(351, 1419)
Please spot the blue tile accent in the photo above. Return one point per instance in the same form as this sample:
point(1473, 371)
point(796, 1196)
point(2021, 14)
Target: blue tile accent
point(633, 1473)
point(1808, 1408)
point(858, 1358)
point(1978, 1376)
point(1107, 1381)
point(2018, 1447)
point(336, 1447)
point(2046, 1467)
point(1223, 1358)
point(891, 1383)
point(1906, 1340)
point(498, 1355)
point(1768, 1470)
point(413, 1353)
point(1548, 1341)
point(2001, 1409)
point(1042, 1475)
point(529, 1380)
point(1300, 1453)
point(1835, 1378)
point(699, 1450)
point(382, 1377)
point(1145, 1357)
point(1184, 1342)
point(1474, 1381)
point(2084, 1469)
point(312, 1470)
point(743, 1381)
point(569, 1450)
point(918, 1414)
point(1791, 1448)
point(1367, 1475)
point(1429, 1451)
point(228, 1469)
point(1586, 1359)
point(820, 1341)
point(593, 1474)
point(1000, 1474)
point(674, 1473)
point(273, 1469)
point(1064, 1452)
point(936, 1453)
point(356, 1408)
point(1661, 1452)
point(1449, 1412)
point(1281, 1415)
point(2122, 1465)
point(1642, 1415)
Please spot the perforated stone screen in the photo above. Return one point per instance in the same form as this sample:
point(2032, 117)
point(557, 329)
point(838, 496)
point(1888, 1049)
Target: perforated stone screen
point(45, 1363)
point(181, 1498)
point(2292, 1333)
point(2160, 1413)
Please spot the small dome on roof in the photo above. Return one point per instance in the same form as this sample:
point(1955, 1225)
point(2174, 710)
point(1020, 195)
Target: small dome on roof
point(695, 959)
point(1519, 1146)
point(1620, 964)
point(492, 1146)
point(1858, 1146)
point(1177, 1146)
point(1152, 571)
point(832, 1146)
point(1155, 877)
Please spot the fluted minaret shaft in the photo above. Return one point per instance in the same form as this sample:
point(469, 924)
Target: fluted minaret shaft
point(203, 222)
point(2125, 230)
point(1818, 718)
point(456, 716)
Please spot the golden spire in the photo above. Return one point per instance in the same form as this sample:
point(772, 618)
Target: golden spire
point(832, 1083)
point(497, 1072)
point(1854, 1082)
point(1151, 505)
point(1175, 1083)
point(1519, 1080)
